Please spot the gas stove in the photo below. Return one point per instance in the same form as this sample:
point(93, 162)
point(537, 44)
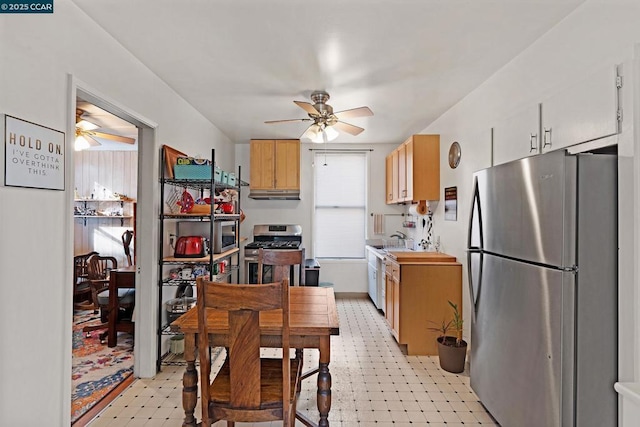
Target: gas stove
point(270, 236)
point(273, 236)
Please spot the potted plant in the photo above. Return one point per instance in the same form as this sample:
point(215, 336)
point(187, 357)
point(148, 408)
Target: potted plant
point(452, 350)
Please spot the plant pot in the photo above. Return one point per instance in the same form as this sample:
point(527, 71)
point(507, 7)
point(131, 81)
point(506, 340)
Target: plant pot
point(452, 357)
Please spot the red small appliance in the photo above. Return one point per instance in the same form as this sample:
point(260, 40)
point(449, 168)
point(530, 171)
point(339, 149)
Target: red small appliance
point(190, 247)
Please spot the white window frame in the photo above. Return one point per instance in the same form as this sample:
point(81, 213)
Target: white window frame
point(317, 161)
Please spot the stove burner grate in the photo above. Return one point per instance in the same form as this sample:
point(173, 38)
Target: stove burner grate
point(280, 244)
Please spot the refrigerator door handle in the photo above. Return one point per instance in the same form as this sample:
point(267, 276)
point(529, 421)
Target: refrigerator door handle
point(475, 247)
point(475, 210)
point(474, 291)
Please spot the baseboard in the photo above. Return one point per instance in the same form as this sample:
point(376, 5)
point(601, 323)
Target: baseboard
point(359, 295)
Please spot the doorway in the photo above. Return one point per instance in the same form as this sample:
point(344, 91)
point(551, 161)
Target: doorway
point(105, 170)
point(146, 250)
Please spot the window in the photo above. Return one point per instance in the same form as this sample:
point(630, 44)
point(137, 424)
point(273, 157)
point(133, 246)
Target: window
point(340, 204)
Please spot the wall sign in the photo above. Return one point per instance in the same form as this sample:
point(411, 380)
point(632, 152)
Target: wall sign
point(451, 204)
point(34, 155)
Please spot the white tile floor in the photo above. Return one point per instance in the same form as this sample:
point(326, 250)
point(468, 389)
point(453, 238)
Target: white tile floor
point(373, 384)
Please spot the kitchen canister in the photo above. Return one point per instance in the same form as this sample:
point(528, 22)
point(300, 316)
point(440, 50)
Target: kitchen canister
point(176, 344)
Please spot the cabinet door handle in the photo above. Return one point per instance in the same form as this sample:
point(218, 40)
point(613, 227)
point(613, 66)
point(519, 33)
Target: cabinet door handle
point(546, 141)
point(533, 142)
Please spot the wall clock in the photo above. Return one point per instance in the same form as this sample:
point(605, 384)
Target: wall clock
point(455, 152)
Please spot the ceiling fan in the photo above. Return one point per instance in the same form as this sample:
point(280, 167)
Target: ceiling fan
point(86, 133)
point(325, 120)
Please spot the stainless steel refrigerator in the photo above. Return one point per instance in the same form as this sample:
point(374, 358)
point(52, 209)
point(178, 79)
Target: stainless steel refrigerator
point(542, 259)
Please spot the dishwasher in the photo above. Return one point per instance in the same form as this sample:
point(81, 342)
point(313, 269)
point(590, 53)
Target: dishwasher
point(375, 276)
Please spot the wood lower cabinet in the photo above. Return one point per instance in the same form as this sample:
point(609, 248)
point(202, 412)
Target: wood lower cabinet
point(392, 292)
point(275, 165)
point(416, 299)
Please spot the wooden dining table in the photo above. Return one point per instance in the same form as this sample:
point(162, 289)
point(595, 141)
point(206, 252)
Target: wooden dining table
point(124, 277)
point(313, 319)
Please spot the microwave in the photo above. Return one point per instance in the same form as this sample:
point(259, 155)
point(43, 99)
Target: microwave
point(224, 236)
point(224, 233)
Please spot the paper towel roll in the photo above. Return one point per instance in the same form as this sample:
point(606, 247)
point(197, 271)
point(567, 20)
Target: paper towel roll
point(418, 210)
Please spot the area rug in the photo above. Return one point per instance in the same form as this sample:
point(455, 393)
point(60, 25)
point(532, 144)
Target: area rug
point(96, 368)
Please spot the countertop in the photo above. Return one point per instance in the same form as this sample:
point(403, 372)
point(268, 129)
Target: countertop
point(410, 256)
point(419, 256)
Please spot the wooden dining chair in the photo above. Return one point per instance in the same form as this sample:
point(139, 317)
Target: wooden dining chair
point(247, 388)
point(99, 268)
point(82, 297)
point(282, 264)
point(127, 237)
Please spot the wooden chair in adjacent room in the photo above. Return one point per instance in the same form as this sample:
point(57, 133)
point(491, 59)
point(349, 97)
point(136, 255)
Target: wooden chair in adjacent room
point(127, 237)
point(247, 388)
point(99, 268)
point(82, 298)
point(282, 262)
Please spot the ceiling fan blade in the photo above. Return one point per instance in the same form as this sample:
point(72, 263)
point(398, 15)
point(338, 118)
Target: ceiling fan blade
point(309, 108)
point(92, 142)
point(346, 127)
point(111, 137)
point(354, 112)
point(285, 121)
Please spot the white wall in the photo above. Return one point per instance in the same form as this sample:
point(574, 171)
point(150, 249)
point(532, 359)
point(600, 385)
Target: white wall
point(115, 172)
point(37, 53)
point(346, 275)
point(596, 34)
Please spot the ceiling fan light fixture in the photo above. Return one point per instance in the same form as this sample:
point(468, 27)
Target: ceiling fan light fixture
point(319, 138)
point(81, 143)
point(331, 133)
point(326, 134)
point(312, 132)
point(85, 125)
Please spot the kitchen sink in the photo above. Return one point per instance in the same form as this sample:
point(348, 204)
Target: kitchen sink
point(399, 249)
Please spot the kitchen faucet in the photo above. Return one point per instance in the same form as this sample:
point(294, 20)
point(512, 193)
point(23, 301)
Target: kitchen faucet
point(399, 235)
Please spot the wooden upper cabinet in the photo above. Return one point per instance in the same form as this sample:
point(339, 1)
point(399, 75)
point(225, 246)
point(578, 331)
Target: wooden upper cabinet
point(275, 164)
point(394, 177)
point(413, 170)
point(422, 168)
point(262, 164)
point(287, 164)
point(389, 179)
point(402, 172)
point(408, 171)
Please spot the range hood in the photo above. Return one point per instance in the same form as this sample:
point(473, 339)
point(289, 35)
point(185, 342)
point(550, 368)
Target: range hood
point(274, 194)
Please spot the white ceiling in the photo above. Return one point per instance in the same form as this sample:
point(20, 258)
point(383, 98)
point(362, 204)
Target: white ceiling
point(241, 62)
